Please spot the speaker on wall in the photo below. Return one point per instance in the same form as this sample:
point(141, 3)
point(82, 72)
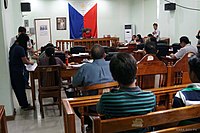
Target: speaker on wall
point(25, 7)
point(170, 6)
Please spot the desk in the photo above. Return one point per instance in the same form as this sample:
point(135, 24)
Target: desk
point(65, 74)
point(125, 49)
point(78, 59)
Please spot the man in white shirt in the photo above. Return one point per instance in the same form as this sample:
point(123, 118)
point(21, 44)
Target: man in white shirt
point(186, 48)
point(156, 32)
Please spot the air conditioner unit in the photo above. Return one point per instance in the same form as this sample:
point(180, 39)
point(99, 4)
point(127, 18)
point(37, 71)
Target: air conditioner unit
point(129, 30)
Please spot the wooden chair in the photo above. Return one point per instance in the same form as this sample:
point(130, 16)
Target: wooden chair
point(3, 122)
point(149, 120)
point(148, 67)
point(180, 71)
point(49, 86)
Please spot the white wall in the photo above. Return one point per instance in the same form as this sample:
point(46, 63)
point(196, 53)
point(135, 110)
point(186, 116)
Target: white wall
point(9, 20)
point(144, 14)
point(181, 21)
point(112, 15)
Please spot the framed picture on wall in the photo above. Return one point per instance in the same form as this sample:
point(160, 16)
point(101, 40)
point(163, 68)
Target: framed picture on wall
point(42, 31)
point(61, 23)
point(26, 23)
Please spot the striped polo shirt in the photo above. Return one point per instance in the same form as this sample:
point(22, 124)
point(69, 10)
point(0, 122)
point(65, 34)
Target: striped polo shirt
point(187, 96)
point(126, 102)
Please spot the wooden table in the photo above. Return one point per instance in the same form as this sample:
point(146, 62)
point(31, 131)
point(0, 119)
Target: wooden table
point(78, 59)
point(65, 74)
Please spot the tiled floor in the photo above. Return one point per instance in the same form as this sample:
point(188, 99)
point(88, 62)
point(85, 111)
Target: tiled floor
point(31, 121)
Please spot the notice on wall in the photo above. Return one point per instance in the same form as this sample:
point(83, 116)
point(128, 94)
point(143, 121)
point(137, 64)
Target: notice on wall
point(42, 31)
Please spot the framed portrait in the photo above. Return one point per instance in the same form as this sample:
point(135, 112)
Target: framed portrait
point(61, 23)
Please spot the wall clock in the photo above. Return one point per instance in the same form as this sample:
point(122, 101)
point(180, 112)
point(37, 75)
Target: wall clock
point(5, 4)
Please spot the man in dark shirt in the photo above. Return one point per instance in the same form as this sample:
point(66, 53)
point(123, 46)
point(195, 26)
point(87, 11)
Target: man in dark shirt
point(17, 59)
point(129, 99)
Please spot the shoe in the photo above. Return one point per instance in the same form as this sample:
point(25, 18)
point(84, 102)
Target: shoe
point(28, 87)
point(29, 107)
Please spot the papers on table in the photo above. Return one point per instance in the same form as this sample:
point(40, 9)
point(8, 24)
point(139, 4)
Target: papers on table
point(31, 67)
point(168, 56)
point(80, 54)
point(76, 65)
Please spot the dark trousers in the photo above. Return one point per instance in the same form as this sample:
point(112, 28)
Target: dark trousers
point(18, 85)
point(26, 77)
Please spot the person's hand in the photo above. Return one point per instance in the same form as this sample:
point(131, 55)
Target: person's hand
point(31, 62)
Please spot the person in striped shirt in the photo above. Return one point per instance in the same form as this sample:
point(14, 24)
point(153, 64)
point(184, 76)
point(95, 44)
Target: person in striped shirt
point(191, 94)
point(129, 99)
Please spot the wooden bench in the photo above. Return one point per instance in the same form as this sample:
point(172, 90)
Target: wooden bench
point(162, 94)
point(3, 122)
point(179, 71)
point(148, 67)
point(100, 88)
point(149, 120)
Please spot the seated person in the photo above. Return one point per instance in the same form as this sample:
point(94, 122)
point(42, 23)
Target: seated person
point(42, 51)
point(191, 94)
point(150, 48)
point(87, 34)
point(93, 73)
point(133, 40)
point(128, 99)
point(186, 48)
point(151, 38)
point(50, 58)
point(139, 39)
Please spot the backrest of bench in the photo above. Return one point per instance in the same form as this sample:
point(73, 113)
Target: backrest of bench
point(164, 93)
point(101, 87)
point(148, 120)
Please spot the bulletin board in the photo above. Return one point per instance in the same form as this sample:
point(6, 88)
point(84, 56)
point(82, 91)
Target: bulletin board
point(42, 31)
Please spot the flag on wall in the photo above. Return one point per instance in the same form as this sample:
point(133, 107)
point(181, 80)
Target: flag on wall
point(82, 15)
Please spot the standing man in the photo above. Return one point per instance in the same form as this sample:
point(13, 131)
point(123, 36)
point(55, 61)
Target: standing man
point(156, 32)
point(17, 59)
point(26, 46)
point(21, 30)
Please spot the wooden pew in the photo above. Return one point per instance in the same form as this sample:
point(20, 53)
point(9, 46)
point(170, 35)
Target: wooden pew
point(179, 72)
point(148, 67)
point(148, 120)
point(3, 122)
point(103, 87)
point(165, 95)
point(162, 94)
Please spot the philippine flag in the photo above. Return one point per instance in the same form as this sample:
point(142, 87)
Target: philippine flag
point(82, 15)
